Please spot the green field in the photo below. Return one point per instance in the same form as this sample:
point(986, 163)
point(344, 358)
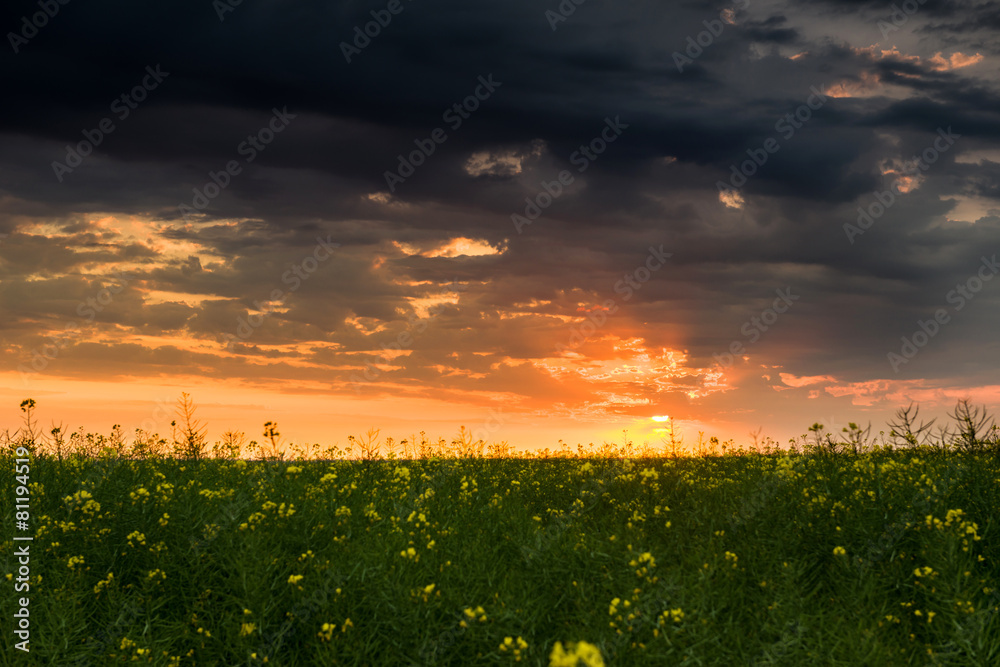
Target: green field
point(887, 557)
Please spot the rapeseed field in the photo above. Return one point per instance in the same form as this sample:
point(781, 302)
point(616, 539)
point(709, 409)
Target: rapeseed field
point(807, 555)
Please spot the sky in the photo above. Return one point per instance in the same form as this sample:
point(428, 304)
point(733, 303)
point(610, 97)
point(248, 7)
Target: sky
point(542, 221)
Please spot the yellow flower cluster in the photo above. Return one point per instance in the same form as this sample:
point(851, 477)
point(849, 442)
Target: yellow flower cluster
point(965, 606)
point(618, 616)
point(251, 521)
point(514, 646)
point(473, 614)
point(420, 518)
point(78, 497)
point(371, 513)
point(85, 501)
point(422, 593)
point(643, 564)
point(955, 520)
point(674, 615)
point(327, 629)
point(636, 518)
point(668, 616)
point(575, 655)
point(104, 583)
point(257, 517)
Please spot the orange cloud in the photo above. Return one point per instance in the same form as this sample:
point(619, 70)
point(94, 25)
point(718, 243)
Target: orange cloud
point(905, 172)
point(957, 60)
point(732, 198)
point(920, 391)
point(456, 247)
point(867, 82)
point(803, 381)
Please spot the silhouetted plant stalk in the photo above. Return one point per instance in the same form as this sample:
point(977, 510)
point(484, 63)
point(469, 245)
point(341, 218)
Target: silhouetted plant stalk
point(192, 431)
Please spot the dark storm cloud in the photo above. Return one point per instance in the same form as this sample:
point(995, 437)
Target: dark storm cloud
point(771, 29)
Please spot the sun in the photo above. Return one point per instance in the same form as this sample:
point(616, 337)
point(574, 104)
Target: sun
point(661, 418)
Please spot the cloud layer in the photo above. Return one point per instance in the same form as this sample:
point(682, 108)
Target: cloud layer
point(232, 217)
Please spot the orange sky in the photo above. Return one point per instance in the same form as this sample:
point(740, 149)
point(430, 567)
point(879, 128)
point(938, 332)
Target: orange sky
point(474, 236)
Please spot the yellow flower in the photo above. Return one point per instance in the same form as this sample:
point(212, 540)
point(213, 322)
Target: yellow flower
point(247, 629)
point(839, 551)
point(296, 578)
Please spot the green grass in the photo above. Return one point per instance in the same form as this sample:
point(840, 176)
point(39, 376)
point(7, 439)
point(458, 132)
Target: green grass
point(543, 546)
